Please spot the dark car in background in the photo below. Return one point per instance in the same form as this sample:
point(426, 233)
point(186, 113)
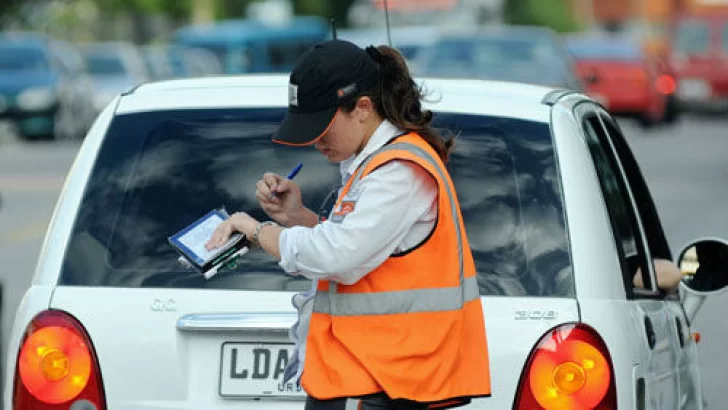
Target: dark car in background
point(44, 87)
point(534, 55)
point(624, 78)
point(699, 56)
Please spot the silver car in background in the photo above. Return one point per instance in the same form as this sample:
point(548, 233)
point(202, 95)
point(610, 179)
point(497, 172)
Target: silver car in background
point(534, 55)
point(115, 67)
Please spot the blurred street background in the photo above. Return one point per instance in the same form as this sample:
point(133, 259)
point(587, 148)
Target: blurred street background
point(660, 65)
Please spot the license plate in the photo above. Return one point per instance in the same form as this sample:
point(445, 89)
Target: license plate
point(693, 89)
point(256, 370)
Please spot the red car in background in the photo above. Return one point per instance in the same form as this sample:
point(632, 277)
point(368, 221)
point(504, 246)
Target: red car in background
point(699, 57)
point(624, 78)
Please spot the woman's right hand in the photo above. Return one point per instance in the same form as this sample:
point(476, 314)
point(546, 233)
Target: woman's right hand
point(280, 198)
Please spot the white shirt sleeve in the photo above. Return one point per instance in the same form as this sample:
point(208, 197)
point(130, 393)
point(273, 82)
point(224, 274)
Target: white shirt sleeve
point(394, 199)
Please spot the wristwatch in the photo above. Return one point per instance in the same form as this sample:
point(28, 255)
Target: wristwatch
point(259, 228)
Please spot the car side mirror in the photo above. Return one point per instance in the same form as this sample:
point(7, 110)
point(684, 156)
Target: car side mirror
point(704, 264)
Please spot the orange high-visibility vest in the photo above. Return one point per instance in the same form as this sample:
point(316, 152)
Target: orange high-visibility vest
point(413, 327)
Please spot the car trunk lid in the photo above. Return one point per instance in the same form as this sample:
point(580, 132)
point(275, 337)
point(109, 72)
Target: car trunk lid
point(167, 348)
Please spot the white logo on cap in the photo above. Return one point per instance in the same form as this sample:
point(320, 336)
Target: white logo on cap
point(293, 95)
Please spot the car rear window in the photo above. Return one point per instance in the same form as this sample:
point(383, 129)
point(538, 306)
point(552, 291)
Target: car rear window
point(17, 59)
point(157, 172)
point(105, 65)
point(692, 37)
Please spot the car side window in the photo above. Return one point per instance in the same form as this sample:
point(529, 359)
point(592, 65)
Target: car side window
point(656, 239)
point(625, 224)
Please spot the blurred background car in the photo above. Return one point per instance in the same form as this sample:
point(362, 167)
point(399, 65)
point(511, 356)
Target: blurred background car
point(534, 55)
point(409, 40)
point(169, 61)
point(253, 45)
point(202, 63)
point(699, 56)
point(624, 78)
point(157, 62)
point(44, 87)
point(115, 67)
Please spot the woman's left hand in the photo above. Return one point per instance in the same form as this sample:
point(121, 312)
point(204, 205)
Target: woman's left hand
point(238, 222)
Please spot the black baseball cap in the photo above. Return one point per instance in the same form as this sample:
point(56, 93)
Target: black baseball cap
point(324, 77)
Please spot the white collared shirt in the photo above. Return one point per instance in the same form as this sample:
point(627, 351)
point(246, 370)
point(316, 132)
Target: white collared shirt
point(395, 211)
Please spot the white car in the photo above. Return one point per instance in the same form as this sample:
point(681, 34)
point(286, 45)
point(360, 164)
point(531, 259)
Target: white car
point(557, 213)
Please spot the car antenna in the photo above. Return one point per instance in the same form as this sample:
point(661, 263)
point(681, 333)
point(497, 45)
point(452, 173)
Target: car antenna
point(333, 28)
point(386, 19)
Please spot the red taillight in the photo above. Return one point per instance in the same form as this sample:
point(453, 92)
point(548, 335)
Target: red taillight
point(57, 366)
point(665, 84)
point(569, 369)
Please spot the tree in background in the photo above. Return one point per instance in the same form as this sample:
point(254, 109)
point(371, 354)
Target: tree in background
point(325, 8)
point(141, 21)
point(9, 11)
point(551, 13)
point(140, 10)
point(329, 8)
point(8, 6)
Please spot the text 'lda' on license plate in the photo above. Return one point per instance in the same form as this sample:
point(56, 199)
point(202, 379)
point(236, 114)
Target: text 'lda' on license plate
point(256, 370)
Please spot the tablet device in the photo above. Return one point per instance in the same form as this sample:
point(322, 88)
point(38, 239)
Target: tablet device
point(190, 242)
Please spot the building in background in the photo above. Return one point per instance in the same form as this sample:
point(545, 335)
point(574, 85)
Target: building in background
point(647, 20)
point(439, 13)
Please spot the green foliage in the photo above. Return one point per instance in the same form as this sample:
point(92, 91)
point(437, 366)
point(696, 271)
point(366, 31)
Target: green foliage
point(181, 10)
point(9, 7)
point(312, 7)
point(327, 8)
point(173, 8)
point(551, 13)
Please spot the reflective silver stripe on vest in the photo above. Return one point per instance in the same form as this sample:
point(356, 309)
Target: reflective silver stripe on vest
point(419, 300)
point(404, 301)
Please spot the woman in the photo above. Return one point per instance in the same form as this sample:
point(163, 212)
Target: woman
point(394, 318)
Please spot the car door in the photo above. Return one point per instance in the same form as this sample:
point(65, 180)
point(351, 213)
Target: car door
point(683, 344)
point(655, 383)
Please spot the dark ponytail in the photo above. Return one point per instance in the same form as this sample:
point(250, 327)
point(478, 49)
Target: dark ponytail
point(398, 99)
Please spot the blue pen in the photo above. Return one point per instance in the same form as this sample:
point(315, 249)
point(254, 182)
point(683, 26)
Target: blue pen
point(294, 172)
point(291, 175)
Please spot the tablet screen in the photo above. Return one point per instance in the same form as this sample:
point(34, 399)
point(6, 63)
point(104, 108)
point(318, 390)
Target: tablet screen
point(192, 239)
